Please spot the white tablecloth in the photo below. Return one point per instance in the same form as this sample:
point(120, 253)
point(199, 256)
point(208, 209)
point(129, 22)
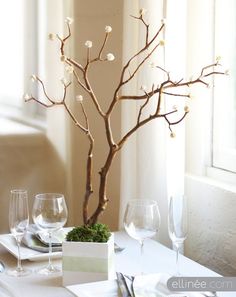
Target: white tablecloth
point(157, 258)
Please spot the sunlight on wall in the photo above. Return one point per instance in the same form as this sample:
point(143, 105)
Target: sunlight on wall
point(11, 51)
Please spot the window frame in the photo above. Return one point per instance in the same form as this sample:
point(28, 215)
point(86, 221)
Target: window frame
point(223, 156)
point(32, 114)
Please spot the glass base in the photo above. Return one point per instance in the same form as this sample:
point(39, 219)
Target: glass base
point(19, 272)
point(2, 267)
point(48, 270)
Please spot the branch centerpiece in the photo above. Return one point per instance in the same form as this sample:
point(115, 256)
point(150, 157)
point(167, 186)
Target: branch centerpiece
point(159, 93)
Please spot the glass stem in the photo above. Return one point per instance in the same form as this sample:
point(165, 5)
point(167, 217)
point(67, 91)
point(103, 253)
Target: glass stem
point(141, 255)
point(177, 246)
point(19, 266)
point(50, 249)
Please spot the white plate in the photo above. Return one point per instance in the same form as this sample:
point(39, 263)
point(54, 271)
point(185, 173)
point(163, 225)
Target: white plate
point(102, 289)
point(98, 289)
point(110, 289)
point(8, 241)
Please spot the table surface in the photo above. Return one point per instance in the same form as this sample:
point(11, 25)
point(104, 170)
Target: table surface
point(157, 258)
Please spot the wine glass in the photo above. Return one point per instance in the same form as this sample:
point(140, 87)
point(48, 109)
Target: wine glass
point(18, 223)
point(177, 224)
point(49, 214)
point(141, 220)
point(2, 266)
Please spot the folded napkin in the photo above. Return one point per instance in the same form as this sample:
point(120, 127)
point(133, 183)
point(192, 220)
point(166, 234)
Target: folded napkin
point(39, 240)
point(149, 285)
point(32, 241)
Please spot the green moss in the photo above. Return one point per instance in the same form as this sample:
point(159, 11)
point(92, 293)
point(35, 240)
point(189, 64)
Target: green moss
point(95, 233)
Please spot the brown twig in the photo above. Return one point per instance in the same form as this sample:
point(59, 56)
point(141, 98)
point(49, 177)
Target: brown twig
point(114, 146)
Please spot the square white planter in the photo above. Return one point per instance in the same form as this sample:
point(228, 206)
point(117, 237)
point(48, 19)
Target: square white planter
point(84, 262)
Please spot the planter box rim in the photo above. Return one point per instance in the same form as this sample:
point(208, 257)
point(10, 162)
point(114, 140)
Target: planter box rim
point(90, 242)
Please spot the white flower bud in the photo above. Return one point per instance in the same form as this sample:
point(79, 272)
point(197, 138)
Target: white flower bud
point(186, 108)
point(209, 86)
point(142, 11)
point(143, 88)
point(227, 72)
point(88, 44)
point(175, 107)
point(64, 81)
point(110, 57)
point(33, 77)
point(69, 20)
point(172, 135)
point(51, 36)
point(163, 21)
point(190, 96)
point(69, 69)
point(26, 96)
point(152, 65)
point(63, 58)
point(79, 98)
point(162, 42)
point(218, 58)
point(108, 29)
point(191, 78)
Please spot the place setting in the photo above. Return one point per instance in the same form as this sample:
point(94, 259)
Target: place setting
point(141, 222)
point(42, 241)
point(39, 241)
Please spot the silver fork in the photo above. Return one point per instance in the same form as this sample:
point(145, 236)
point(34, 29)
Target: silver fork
point(209, 294)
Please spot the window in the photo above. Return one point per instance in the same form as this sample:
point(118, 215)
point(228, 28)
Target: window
point(11, 52)
point(19, 56)
point(224, 114)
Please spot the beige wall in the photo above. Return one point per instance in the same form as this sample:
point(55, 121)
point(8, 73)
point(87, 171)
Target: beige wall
point(27, 161)
point(91, 17)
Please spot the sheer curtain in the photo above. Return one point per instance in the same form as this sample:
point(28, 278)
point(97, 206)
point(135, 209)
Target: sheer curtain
point(59, 132)
point(152, 163)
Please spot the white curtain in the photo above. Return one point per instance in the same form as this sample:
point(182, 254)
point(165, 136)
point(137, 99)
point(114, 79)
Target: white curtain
point(51, 20)
point(152, 164)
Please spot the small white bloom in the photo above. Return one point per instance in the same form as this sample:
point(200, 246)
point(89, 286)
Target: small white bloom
point(69, 20)
point(191, 78)
point(190, 96)
point(227, 72)
point(172, 135)
point(209, 86)
point(69, 69)
point(163, 21)
point(26, 96)
point(110, 57)
point(51, 36)
point(63, 58)
point(88, 44)
point(152, 65)
point(175, 107)
point(162, 42)
point(186, 108)
point(33, 77)
point(218, 58)
point(64, 81)
point(108, 29)
point(143, 11)
point(79, 98)
point(143, 88)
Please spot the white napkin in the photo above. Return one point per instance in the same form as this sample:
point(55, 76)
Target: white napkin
point(155, 285)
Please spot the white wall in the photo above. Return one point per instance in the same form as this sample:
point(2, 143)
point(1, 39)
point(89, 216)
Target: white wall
point(212, 205)
point(212, 220)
